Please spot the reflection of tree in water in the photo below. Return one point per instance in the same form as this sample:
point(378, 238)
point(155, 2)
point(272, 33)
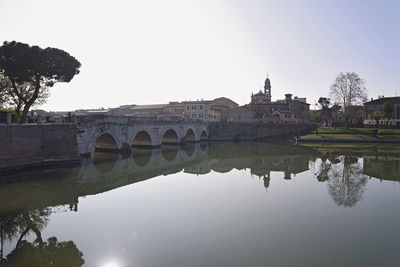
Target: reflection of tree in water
point(39, 252)
point(346, 183)
point(327, 160)
point(50, 253)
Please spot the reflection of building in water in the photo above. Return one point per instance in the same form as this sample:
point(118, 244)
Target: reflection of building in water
point(264, 174)
point(203, 167)
point(262, 165)
point(259, 166)
point(260, 158)
point(382, 167)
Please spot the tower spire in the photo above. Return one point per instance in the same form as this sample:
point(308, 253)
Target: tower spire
point(267, 88)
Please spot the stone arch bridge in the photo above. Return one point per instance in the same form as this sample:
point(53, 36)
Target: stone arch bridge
point(121, 133)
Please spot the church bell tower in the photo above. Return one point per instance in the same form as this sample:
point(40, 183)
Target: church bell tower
point(267, 88)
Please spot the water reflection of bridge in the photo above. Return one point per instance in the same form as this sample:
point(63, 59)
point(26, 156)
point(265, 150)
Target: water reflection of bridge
point(107, 171)
point(45, 192)
point(101, 175)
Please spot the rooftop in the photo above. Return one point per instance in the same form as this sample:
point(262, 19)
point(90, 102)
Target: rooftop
point(382, 100)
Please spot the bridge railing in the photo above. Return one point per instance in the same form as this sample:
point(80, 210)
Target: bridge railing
point(7, 118)
point(134, 120)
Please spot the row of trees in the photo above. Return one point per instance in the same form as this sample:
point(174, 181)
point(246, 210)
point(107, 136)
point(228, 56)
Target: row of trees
point(27, 72)
point(348, 90)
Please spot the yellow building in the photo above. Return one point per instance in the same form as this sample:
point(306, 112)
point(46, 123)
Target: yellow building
point(207, 110)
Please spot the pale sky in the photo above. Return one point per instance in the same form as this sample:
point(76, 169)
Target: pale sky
point(147, 52)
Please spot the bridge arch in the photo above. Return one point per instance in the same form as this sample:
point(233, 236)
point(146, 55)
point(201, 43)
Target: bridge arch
point(105, 143)
point(190, 136)
point(203, 136)
point(142, 139)
point(170, 137)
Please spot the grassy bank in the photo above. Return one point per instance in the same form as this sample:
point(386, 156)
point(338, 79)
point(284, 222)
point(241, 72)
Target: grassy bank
point(354, 148)
point(341, 134)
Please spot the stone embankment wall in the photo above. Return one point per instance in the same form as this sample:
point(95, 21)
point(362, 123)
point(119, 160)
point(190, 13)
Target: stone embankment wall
point(241, 131)
point(37, 145)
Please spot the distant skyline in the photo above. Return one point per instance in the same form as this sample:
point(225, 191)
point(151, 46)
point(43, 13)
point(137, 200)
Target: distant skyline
point(149, 52)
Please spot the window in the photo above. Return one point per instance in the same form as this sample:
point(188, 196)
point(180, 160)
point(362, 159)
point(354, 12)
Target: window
point(187, 107)
point(201, 106)
point(193, 106)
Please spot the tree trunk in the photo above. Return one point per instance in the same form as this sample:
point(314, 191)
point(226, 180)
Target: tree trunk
point(23, 118)
point(21, 237)
point(18, 109)
point(30, 102)
point(34, 228)
point(1, 248)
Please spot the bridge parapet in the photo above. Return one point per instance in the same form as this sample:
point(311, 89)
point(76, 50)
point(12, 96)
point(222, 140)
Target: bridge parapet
point(134, 120)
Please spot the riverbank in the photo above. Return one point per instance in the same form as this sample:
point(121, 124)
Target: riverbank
point(351, 135)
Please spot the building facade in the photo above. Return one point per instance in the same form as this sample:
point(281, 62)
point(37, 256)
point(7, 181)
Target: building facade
point(207, 110)
point(373, 112)
point(262, 109)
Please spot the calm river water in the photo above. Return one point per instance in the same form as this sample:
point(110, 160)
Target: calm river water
point(246, 204)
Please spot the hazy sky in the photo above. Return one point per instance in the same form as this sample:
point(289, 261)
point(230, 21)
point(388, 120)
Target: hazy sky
point(144, 52)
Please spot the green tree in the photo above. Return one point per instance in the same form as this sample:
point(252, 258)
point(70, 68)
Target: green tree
point(324, 102)
point(325, 112)
point(315, 116)
point(377, 115)
point(22, 63)
point(5, 85)
point(347, 90)
point(9, 100)
point(387, 109)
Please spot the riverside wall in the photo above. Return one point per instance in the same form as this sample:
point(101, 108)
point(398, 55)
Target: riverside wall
point(40, 145)
point(242, 131)
point(25, 146)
